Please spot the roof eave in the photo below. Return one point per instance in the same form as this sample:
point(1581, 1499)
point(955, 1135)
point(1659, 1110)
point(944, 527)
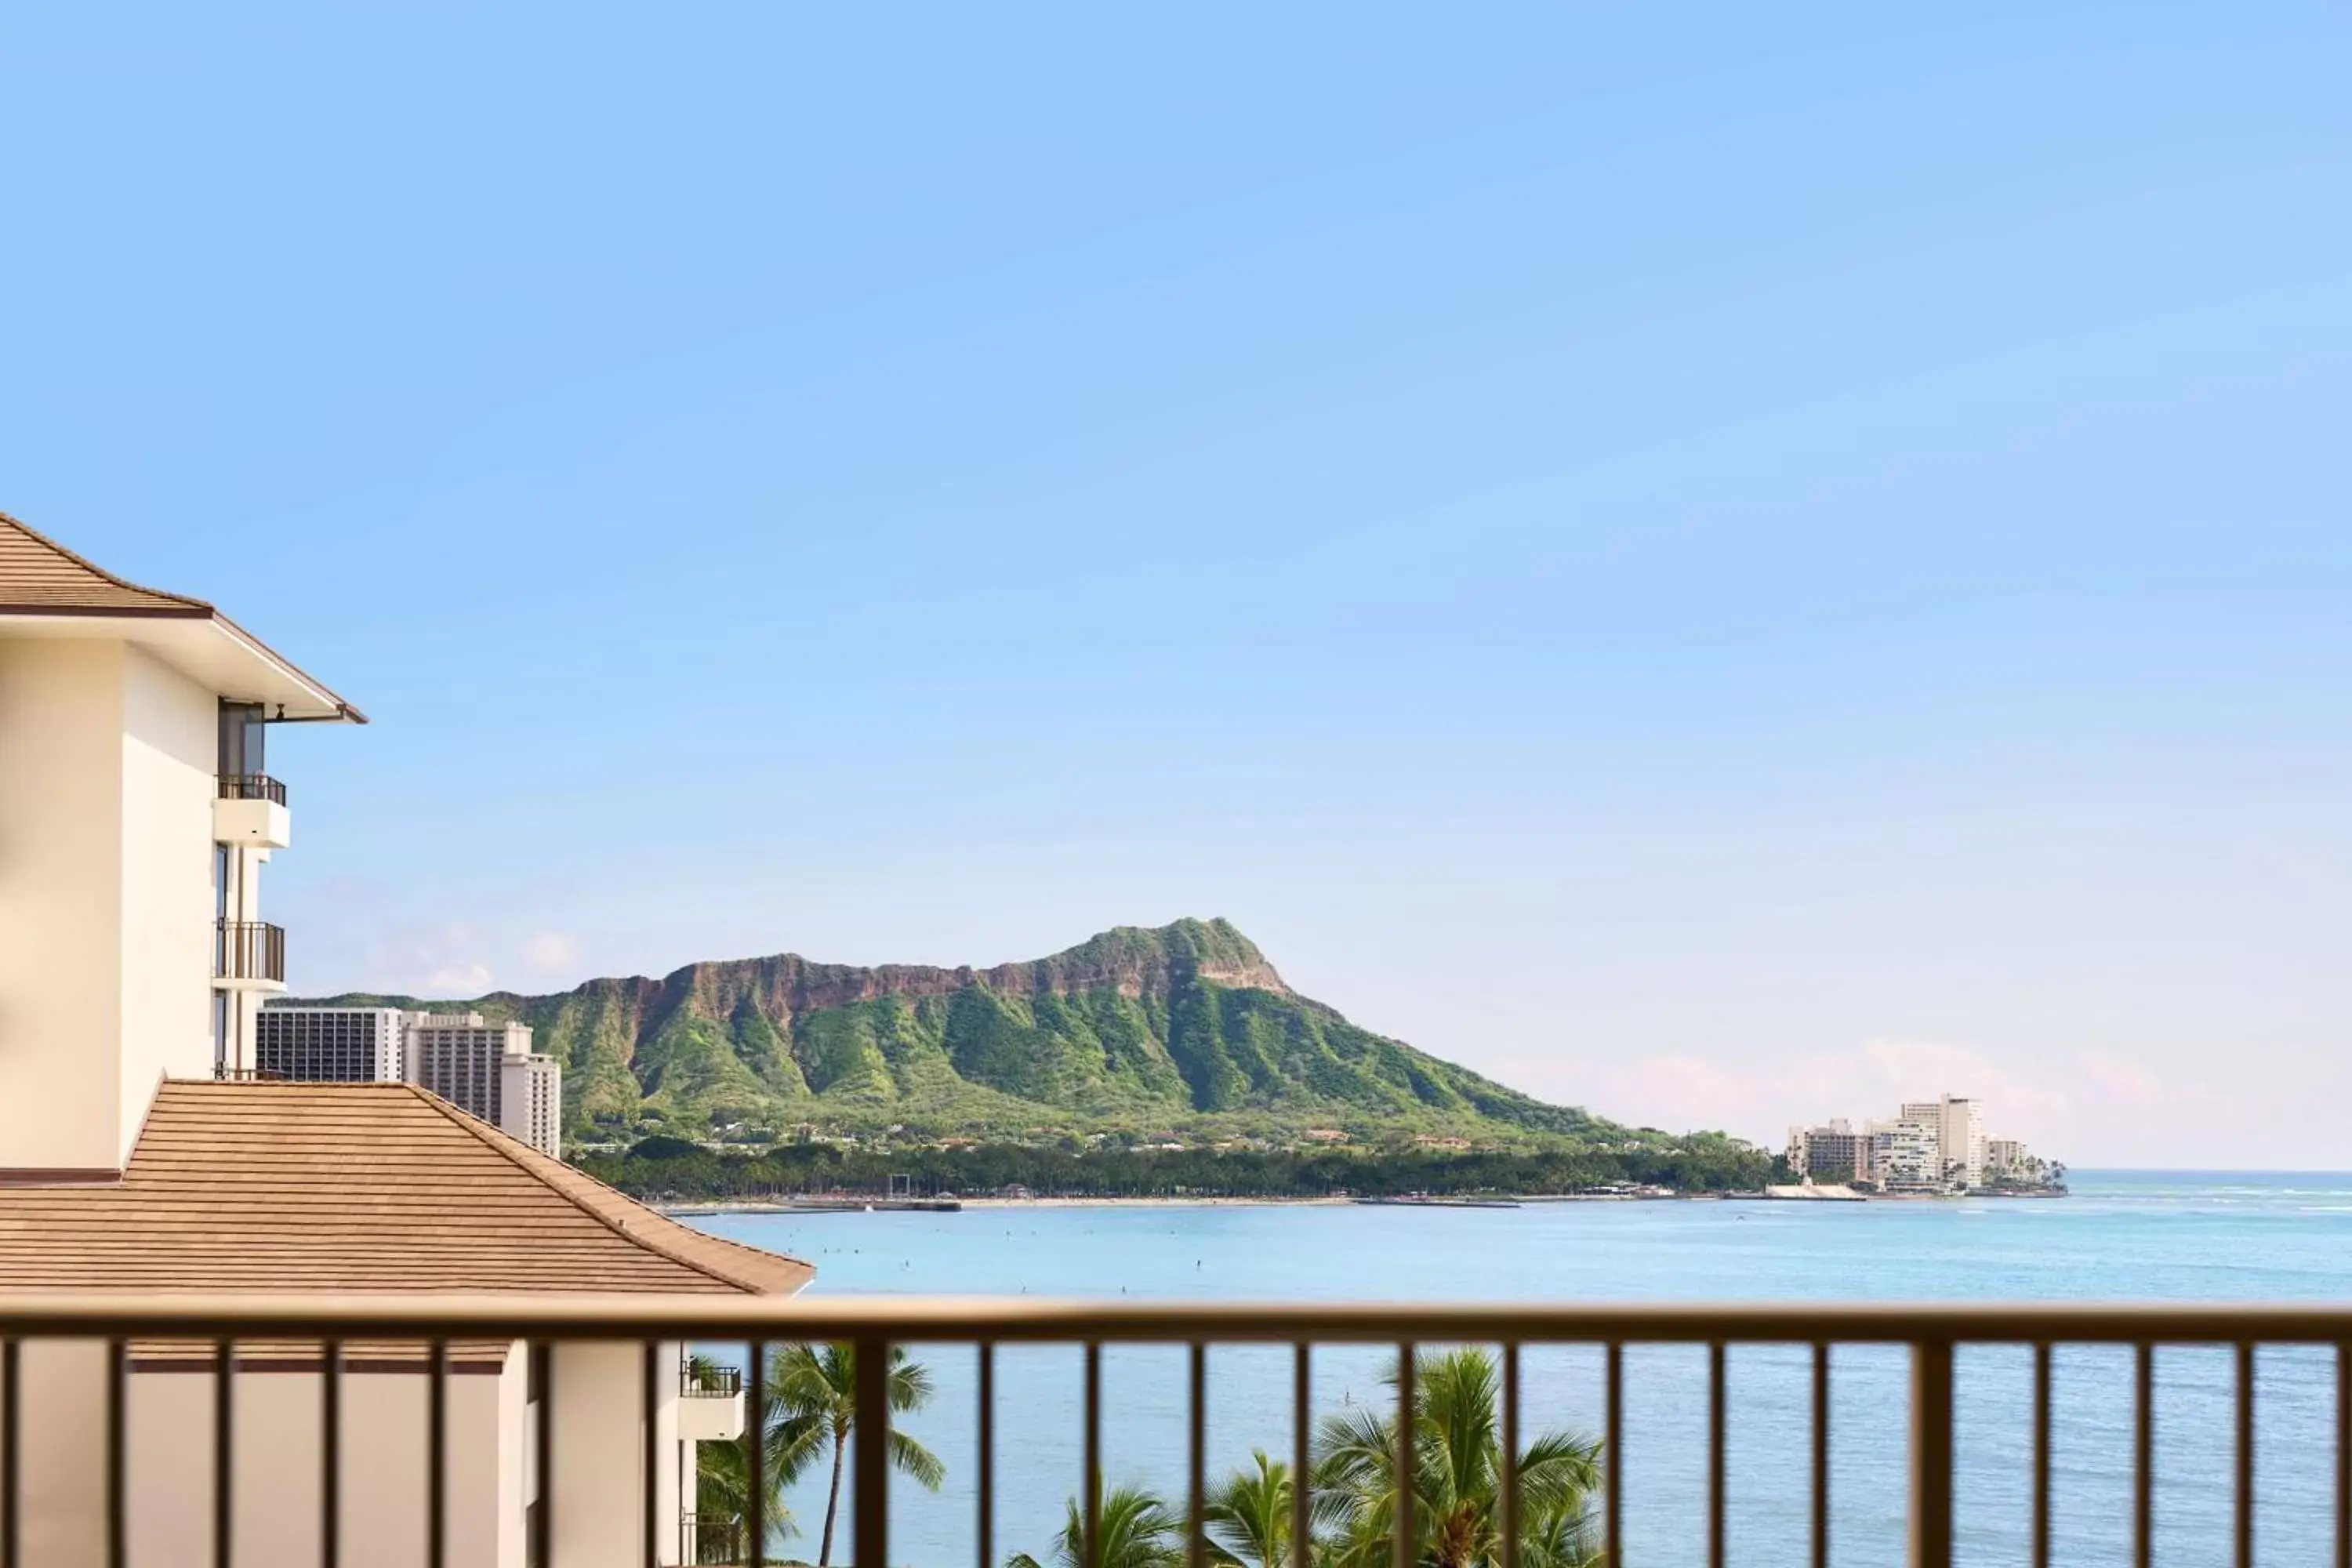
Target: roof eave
point(345, 713)
point(166, 631)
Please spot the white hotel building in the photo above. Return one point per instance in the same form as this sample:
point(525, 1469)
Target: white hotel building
point(138, 1153)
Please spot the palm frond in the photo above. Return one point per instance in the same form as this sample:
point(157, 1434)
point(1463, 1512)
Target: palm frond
point(917, 1463)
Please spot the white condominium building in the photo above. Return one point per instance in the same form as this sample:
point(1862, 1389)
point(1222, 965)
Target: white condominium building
point(490, 1071)
point(1908, 1153)
point(1964, 1141)
point(1960, 1136)
point(330, 1044)
point(530, 1101)
point(457, 1057)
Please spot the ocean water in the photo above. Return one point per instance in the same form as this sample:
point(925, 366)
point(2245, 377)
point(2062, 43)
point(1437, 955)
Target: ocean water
point(2122, 1236)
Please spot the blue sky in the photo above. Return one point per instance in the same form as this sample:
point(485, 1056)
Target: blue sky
point(1719, 562)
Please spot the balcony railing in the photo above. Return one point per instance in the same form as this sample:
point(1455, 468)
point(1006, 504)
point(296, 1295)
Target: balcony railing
point(340, 1334)
point(702, 1540)
point(249, 949)
point(703, 1381)
point(252, 786)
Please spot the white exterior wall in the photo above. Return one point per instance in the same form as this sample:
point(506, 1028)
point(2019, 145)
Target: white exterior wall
point(170, 744)
point(106, 787)
point(599, 1456)
point(60, 903)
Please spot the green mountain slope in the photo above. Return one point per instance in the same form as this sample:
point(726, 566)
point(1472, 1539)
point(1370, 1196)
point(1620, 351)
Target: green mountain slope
point(1184, 1027)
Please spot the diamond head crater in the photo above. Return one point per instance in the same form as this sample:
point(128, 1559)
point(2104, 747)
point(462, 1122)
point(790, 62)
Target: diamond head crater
point(1138, 1057)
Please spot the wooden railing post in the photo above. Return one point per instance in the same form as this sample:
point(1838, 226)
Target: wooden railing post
point(870, 1485)
point(1931, 1453)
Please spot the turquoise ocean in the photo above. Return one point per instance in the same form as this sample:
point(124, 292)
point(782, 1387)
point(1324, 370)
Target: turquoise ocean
point(2121, 1236)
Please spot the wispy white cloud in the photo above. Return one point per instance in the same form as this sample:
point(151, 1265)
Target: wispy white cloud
point(550, 951)
point(460, 979)
point(431, 958)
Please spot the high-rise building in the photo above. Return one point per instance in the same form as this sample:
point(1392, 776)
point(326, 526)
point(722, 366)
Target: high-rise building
point(1964, 1142)
point(329, 1045)
point(490, 1071)
point(1959, 1135)
point(1907, 1153)
point(530, 1101)
point(1833, 1151)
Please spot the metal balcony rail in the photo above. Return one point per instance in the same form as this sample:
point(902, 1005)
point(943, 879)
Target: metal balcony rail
point(702, 1540)
point(430, 1326)
point(249, 949)
point(710, 1382)
point(251, 786)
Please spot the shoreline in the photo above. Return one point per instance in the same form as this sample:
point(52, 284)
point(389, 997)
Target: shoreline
point(686, 1207)
point(858, 1206)
point(855, 1206)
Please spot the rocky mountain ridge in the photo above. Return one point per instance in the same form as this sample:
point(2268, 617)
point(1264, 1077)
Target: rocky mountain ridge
point(1159, 1027)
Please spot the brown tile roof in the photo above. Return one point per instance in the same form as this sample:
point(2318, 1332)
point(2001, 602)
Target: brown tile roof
point(40, 576)
point(298, 1187)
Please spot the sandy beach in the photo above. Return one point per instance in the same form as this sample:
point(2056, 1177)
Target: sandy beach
point(773, 1205)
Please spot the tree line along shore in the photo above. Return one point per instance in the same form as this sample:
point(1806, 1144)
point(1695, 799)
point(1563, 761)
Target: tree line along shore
point(672, 1169)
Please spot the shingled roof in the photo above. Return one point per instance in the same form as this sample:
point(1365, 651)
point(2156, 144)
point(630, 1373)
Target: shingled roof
point(40, 576)
point(375, 1188)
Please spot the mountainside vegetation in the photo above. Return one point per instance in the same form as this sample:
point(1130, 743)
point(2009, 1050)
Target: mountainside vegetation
point(1185, 1029)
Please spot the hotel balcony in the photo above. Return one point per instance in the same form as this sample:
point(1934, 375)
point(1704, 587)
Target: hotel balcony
point(249, 811)
point(249, 955)
point(711, 1403)
point(320, 1457)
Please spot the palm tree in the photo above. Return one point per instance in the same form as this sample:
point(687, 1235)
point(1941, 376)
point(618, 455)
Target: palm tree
point(812, 1403)
point(1248, 1517)
point(722, 1501)
point(1456, 1477)
point(1137, 1529)
point(1456, 1493)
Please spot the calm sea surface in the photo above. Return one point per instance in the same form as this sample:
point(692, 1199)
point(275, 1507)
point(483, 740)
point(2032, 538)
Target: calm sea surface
point(2143, 1235)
